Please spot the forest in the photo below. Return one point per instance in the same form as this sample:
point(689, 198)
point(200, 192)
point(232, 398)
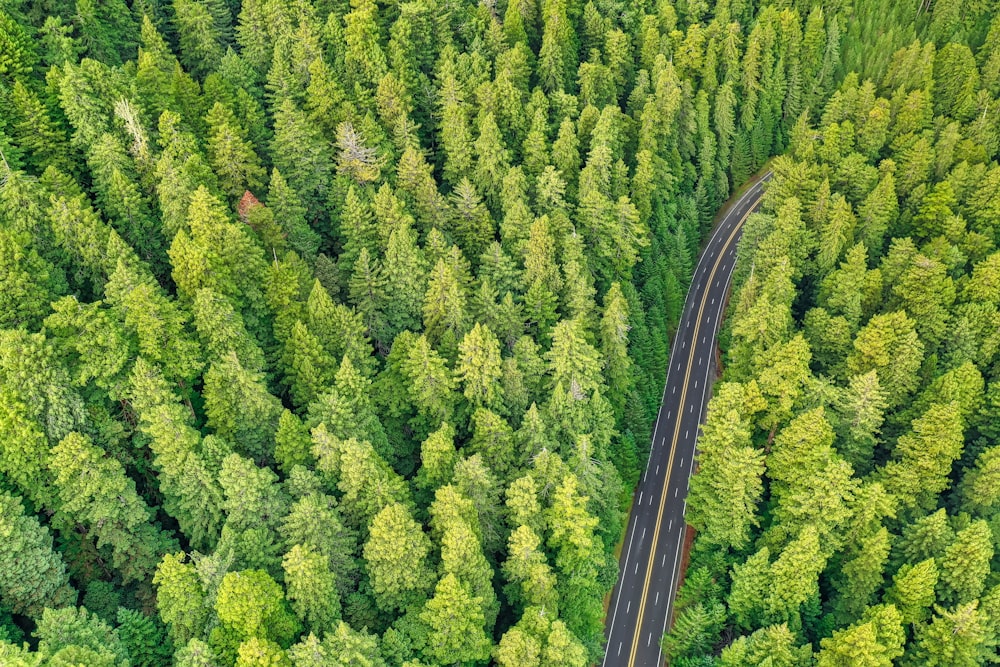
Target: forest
point(848, 497)
point(332, 332)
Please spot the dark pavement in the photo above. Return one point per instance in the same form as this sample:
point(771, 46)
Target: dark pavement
point(650, 559)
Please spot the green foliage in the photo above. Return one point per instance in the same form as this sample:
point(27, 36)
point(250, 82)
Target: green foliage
point(455, 620)
point(144, 638)
point(32, 575)
point(252, 605)
point(73, 631)
point(396, 558)
point(389, 410)
point(874, 538)
point(97, 492)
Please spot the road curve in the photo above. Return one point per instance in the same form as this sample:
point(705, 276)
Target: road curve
point(650, 559)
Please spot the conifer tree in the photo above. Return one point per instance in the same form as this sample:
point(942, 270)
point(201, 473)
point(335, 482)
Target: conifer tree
point(455, 619)
point(32, 574)
point(97, 493)
point(311, 588)
point(301, 155)
point(291, 216)
point(396, 558)
point(203, 28)
point(479, 367)
point(231, 154)
point(240, 408)
point(308, 368)
point(954, 637)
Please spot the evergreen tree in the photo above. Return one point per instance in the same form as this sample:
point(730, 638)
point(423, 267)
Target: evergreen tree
point(396, 558)
point(301, 155)
point(311, 588)
point(308, 368)
point(203, 28)
point(95, 490)
point(231, 154)
point(32, 574)
point(455, 620)
point(240, 408)
point(479, 367)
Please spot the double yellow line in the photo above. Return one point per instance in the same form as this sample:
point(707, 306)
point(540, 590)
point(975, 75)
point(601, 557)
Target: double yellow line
point(677, 430)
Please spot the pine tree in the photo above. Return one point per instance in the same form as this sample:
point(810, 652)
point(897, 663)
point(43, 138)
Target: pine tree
point(365, 479)
point(363, 57)
point(144, 638)
point(728, 486)
point(693, 631)
point(862, 575)
point(191, 493)
point(454, 519)
point(180, 598)
point(32, 574)
point(217, 253)
point(204, 30)
point(231, 154)
point(430, 379)
point(614, 346)
point(395, 557)
point(339, 329)
point(418, 186)
point(73, 634)
point(479, 367)
point(314, 522)
point(255, 652)
point(965, 565)
point(925, 456)
point(456, 135)
point(876, 640)
point(445, 310)
point(492, 160)
point(95, 491)
point(196, 653)
point(27, 283)
point(308, 368)
point(240, 408)
point(794, 576)
point(912, 590)
point(473, 224)
point(455, 620)
point(979, 489)
point(222, 331)
point(252, 605)
point(354, 159)
point(958, 637)
point(357, 229)
point(530, 581)
point(368, 290)
point(404, 267)
point(35, 132)
point(302, 156)
point(573, 362)
point(254, 498)
point(343, 644)
point(291, 216)
point(311, 588)
point(889, 345)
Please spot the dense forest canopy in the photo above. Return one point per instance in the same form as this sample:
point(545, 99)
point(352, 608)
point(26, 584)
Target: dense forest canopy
point(848, 496)
point(331, 332)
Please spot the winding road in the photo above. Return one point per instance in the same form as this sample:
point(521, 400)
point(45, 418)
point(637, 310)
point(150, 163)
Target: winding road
point(651, 556)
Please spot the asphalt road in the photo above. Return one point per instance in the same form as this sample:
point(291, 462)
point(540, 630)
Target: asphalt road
point(650, 560)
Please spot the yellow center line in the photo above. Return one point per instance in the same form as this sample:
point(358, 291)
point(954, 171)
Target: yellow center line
point(677, 430)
